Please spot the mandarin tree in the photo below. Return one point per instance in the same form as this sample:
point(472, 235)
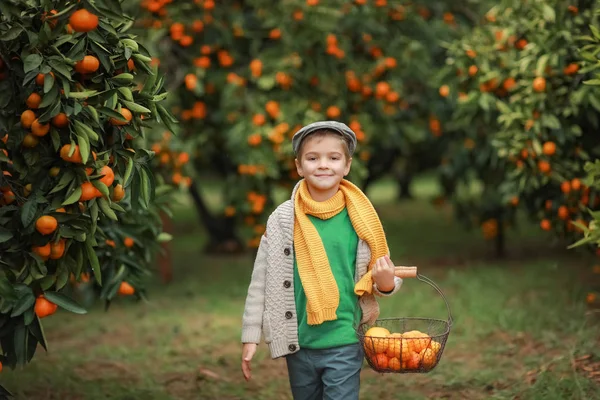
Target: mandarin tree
point(77, 94)
point(249, 74)
point(591, 232)
point(523, 123)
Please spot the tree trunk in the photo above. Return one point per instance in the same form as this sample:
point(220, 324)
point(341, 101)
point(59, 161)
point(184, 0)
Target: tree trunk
point(500, 238)
point(404, 179)
point(221, 231)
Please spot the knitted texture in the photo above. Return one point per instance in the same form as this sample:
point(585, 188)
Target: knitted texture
point(313, 266)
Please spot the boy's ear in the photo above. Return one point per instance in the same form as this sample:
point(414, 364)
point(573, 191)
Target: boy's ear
point(348, 165)
point(298, 167)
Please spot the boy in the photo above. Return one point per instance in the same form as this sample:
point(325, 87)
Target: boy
point(321, 260)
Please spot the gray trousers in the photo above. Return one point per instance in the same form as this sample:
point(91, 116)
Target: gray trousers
point(326, 374)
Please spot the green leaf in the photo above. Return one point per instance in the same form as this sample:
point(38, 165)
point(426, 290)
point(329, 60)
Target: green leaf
point(592, 82)
point(266, 82)
point(124, 77)
point(101, 187)
point(142, 58)
point(65, 302)
point(165, 117)
point(85, 130)
point(541, 65)
point(50, 97)
point(37, 330)
point(150, 81)
point(102, 55)
point(550, 121)
point(47, 282)
point(61, 68)
point(135, 107)
point(132, 44)
point(111, 113)
point(51, 111)
point(164, 237)
point(145, 189)
point(128, 171)
point(82, 95)
point(20, 344)
point(12, 33)
point(94, 114)
point(549, 13)
point(160, 97)
point(94, 263)
point(126, 93)
point(105, 207)
point(28, 212)
point(65, 179)
point(62, 276)
point(5, 235)
point(84, 147)
point(48, 82)
point(73, 197)
point(25, 302)
point(78, 51)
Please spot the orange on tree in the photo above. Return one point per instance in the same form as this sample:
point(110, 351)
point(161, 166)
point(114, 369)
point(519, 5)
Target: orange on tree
point(83, 21)
point(118, 193)
point(30, 140)
point(39, 129)
point(57, 250)
point(126, 115)
point(549, 148)
point(74, 157)
point(44, 307)
point(34, 100)
point(444, 90)
point(46, 224)
point(109, 175)
point(27, 118)
point(60, 120)
point(54, 171)
point(88, 192)
point(43, 251)
point(125, 289)
point(539, 84)
point(87, 65)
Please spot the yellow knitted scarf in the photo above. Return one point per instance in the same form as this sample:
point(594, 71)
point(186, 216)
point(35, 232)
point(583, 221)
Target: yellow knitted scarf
point(313, 265)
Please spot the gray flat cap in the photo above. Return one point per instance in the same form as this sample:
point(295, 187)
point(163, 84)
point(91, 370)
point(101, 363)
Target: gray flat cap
point(335, 126)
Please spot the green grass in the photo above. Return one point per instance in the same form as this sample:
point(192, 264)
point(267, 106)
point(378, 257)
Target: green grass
point(520, 324)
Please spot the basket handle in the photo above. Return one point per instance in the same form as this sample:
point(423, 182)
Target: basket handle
point(406, 272)
point(411, 272)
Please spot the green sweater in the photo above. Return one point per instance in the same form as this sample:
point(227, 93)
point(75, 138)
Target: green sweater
point(340, 242)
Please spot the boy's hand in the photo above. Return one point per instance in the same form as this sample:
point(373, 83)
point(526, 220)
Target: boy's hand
point(248, 351)
point(383, 274)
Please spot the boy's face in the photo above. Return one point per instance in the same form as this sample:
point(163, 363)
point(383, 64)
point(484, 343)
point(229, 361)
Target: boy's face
point(323, 164)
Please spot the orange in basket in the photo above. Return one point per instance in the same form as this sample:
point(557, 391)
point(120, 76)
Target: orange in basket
point(406, 344)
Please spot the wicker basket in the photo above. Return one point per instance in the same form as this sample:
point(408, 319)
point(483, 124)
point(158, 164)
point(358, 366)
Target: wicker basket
point(406, 345)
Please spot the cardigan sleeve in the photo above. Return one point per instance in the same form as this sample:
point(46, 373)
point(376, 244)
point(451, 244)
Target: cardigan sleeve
point(397, 284)
point(252, 319)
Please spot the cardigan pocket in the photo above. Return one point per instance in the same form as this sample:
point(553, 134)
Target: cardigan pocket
point(267, 328)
